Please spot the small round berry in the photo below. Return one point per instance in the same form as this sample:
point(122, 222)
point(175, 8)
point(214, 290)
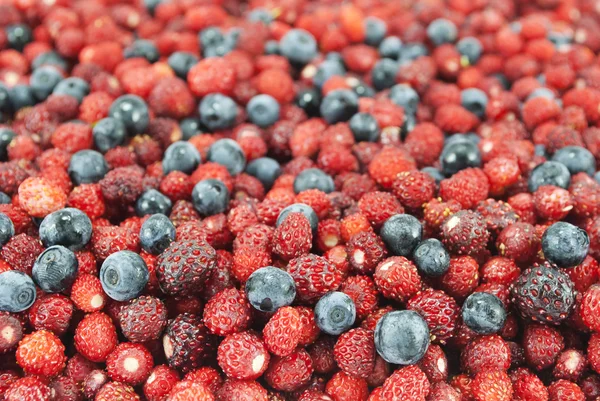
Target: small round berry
point(390, 47)
point(263, 110)
point(7, 229)
point(142, 48)
point(270, 288)
point(18, 36)
point(335, 313)
point(441, 31)
point(313, 178)
point(132, 111)
point(74, 87)
point(402, 337)
point(6, 137)
point(364, 127)
point(210, 197)
point(470, 48)
point(55, 269)
point(458, 155)
point(17, 291)
point(565, 245)
point(298, 46)
point(157, 233)
point(43, 80)
point(41, 353)
point(401, 234)
point(475, 100)
point(217, 111)
point(68, 227)
point(549, 173)
point(153, 202)
point(265, 169)
point(124, 275)
point(483, 313)
point(87, 166)
point(432, 258)
point(181, 63)
point(577, 159)
point(339, 105)
point(306, 210)
point(405, 97)
point(228, 153)
point(108, 133)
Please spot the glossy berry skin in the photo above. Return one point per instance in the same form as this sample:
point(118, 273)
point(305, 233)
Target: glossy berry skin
point(565, 245)
point(298, 46)
point(187, 343)
point(132, 111)
point(432, 258)
point(108, 133)
point(577, 159)
point(441, 31)
point(17, 291)
point(313, 178)
point(475, 100)
point(354, 352)
point(306, 210)
point(243, 356)
point(124, 275)
point(93, 326)
point(549, 173)
point(335, 313)
point(55, 269)
point(157, 233)
point(68, 227)
point(210, 197)
point(7, 229)
point(217, 111)
point(263, 110)
point(72, 86)
point(458, 155)
point(143, 319)
point(483, 313)
point(181, 62)
point(402, 337)
point(339, 105)
point(87, 166)
point(543, 294)
point(153, 202)
point(43, 80)
point(270, 288)
point(180, 156)
point(401, 234)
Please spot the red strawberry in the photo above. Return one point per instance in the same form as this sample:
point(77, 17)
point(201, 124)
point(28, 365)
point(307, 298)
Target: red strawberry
point(160, 382)
point(321, 353)
point(590, 308)
point(363, 292)
point(309, 331)
point(282, 332)
point(343, 387)
point(499, 270)
point(291, 372)
point(21, 251)
point(439, 310)
point(208, 376)
point(492, 386)
point(107, 240)
point(28, 389)
point(243, 356)
point(365, 250)
point(78, 367)
point(462, 277)
point(293, 237)
point(187, 342)
point(443, 392)
point(593, 352)
point(94, 382)
point(378, 206)
point(66, 388)
point(41, 353)
point(190, 391)
point(129, 363)
point(143, 319)
point(94, 326)
point(570, 365)
point(354, 352)
point(116, 391)
point(407, 384)
point(240, 390)
point(413, 188)
point(397, 278)
point(51, 313)
point(314, 276)
point(542, 345)
point(563, 390)
point(465, 233)
point(434, 364)
point(11, 331)
point(529, 387)
point(485, 353)
point(87, 293)
point(227, 312)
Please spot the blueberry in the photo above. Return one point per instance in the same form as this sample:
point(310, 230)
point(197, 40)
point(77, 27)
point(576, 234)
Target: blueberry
point(260, 15)
point(483, 313)
point(271, 47)
point(55, 269)
point(364, 127)
point(142, 48)
point(405, 97)
point(560, 39)
point(565, 245)
point(339, 105)
point(306, 210)
point(72, 86)
point(5, 105)
point(190, 127)
point(597, 177)
point(18, 36)
point(326, 70)
point(335, 313)
point(577, 159)
point(49, 58)
point(108, 133)
point(390, 47)
point(337, 57)
point(540, 150)
point(402, 337)
point(132, 111)
point(412, 51)
point(157, 233)
point(210, 37)
point(4, 199)
point(549, 173)
point(221, 44)
point(361, 88)
point(21, 96)
point(151, 5)
point(458, 155)
point(270, 288)
point(153, 202)
point(17, 291)
point(434, 173)
point(217, 111)
point(267, 170)
point(68, 227)
point(401, 234)
point(6, 137)
point(124, 275)
point(442, 31)
point(298, 46)
point(432, 258)
point(541, 92)
point(181, 156)
point(87, 166)
point(263, 110)
point(475, 100)
point(375, 30)
point(43, 80)
point(470, 48)
point(383, 74)
point(210, 197)
point(7, 229)
point(313, 178)
point(309, 100)
point(181, 63)
point(228, 153)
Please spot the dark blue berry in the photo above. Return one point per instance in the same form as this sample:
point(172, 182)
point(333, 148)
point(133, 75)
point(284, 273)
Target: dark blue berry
point(434, 173)
point(74, 87)
point(405, 97)
point(108, 133)
point(577, 159)
point(181, 156)
point(364, 127)
point(4, 199)
point(361, 88)
point(267, 170)
point(306, 210)
point(309, 100)
point(228, 153)
point(157, 233)
point(375, 30)
point(402, 337)
point(151, 5)
point(401, 234)
point(549, 173)
point(50, 58)
point(21, 96)
point(261, 15)
point(210, 197)
point(153, 202)
point(68, 227)
point(190, 127)
point(298, 46)
point(326, 70)
point(383, 74)
point(142, 48)
point(87, 166)
point(55, 269)
point(339, 105)
point(181, 63)
point(432, 258)
point(483, 313)
point(6, 137)
point(475, 100)
point(270, 288)
point(43, 80)
point(565, 245)
point(217, 112)
point(458, 155)
point(263, 110)
point(271, 47)
point(540, 150)
point(5, 104)
point(313, 178)
point(124, 275)
point(412, 51)
point(17, 291)
point(217, 44)
point(132, 111)
point(18, 36)
point(7, 229)
point(470, 48)
point(442, 31)
point(335, 313)
point(390, 47)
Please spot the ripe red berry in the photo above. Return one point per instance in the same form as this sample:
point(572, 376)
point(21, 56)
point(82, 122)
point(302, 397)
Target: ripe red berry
point(143, 319)
point(243, 356)
point(93, 326)
point(282, 332)
point(354, 352)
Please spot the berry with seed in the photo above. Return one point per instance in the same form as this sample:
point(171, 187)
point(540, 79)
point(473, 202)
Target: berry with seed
point(570, 365)
point(282, 332)
point(492, 386)
point(187, 343)
point(291, 372)
point(143, 319)
point(160, 383)
point(243, 356)
point(314, 276)
point(94, 326)
point(52, 313)
point(467, 187)
point(397, 278)
point(439, 310)
point(542, 344)
point(362, 291)
point(293, 237)
point(28, 388)
point(485, 353)
point(408, 383)
point(365, 250)
point(87, 293)
point(129, 363)
point(41, 353)
point(465, 233)
point(354, 352)
point(227, 312)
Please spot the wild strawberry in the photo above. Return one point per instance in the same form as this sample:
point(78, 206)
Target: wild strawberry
point(111, 239)
point(227, 312)
point(468, 187)
point(542, 345)
point(208, 376)
point(187, 342)
point(397, 278)
point(387, 164)
point(435, 212)
point(434, 364)
point(116, 391)
point(11, 330)
point(413, 188)
point(408, 383)
point(361, 289)
point(78, 367)
point(570, 365)
point(443, 392)
point(87, 293)
point(243, 356)
point(235, 390)
point(485, 353)
point(321, 353)
point(52, 313)
point(565, 390)
point(94, 382)
point(465, 233)
point(241, 217)
point(160, 383)
point(492, 385)
point(502, 172)
point(66, 388)
point(354, 352)
point(290, 372)
point(129, 363)
point(354, 224)
point(246, 260)
point(499, 270)
point(143, 319)
point(462, 277)
point(21, 251)
point(528, 387)
point(518, 242)
point(39, 197)
point(539, 110)
point(593, 352)
point(41, 353)
point(188, 390)
point(282, 332)
point(328, 234)
point(343, 387)
point(314, 277)
point(365, 250)
point(317, 200)
point(552, 203)
point(28, 389)
point(94, 326)
point(425, 143)
point(439, 310)
point(293, 237)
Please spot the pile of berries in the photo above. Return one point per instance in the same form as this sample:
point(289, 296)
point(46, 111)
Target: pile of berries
point(297, 200)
